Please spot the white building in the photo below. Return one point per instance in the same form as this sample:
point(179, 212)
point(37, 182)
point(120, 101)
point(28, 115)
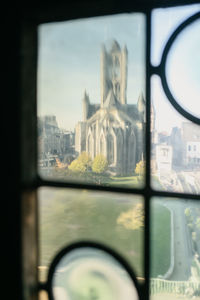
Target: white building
point(191, 142)
point(163, 159)
point(193, 152)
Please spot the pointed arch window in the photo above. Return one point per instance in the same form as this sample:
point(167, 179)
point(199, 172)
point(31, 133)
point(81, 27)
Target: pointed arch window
point(90, 144)
point(102, 145)
point(131, 150)
point(110, 148)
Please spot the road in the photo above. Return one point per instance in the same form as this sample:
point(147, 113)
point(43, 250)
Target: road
point(182, 242)
point(183, 254)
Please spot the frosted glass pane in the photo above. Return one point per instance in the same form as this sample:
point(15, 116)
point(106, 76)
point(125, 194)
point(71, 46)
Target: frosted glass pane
point(89, 273)
point(183, 68)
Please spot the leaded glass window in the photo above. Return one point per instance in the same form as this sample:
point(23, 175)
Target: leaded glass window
point(118, 155)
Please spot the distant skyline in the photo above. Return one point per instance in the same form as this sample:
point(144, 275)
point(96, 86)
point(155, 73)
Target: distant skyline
point(69, 63)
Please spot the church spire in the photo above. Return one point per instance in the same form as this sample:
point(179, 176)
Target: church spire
point(114, 72)
point(86, 103)
point(141, 103)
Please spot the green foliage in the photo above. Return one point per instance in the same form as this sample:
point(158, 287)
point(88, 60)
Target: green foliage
point(85, 159)
point(81, 164)
point(198, 223)
point(140, 167)
point(99, 164)
point(77, 166)
point(133, 218)
point(67, 217)
point(187, 212)
point(160, 239)
point(190, 226)
point(194, 235)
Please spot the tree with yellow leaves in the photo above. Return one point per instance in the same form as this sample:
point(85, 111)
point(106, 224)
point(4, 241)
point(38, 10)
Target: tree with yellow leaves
point(133, 218)
point(81, 164)
point(140, 167)
point(99, 164)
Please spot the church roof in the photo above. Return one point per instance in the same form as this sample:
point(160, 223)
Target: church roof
point(128, 112)
point(111, 100)
point(92, 109)
point(132, 111)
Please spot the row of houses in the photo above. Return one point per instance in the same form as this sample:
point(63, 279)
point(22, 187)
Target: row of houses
point(179, 151)
point(53, 142)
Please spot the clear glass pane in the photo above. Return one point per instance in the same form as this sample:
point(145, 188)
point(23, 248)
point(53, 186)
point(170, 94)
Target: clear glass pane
point(183, 68)
point(164, 22)
point(67, 216)
point(175, 249)
point(89, 273)
point(91, 100)
point(175, 157)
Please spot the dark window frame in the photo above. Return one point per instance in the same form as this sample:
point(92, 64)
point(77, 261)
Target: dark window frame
point(26, 177)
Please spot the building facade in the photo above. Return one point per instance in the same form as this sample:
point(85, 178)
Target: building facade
point(113, 127)
point(54, 142)
point(191, 143)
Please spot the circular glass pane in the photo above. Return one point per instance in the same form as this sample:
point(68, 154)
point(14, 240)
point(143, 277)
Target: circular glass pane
point(91, 274)
point(183, 69)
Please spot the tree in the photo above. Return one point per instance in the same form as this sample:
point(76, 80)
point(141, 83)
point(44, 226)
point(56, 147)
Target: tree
point(81, 164)
point(86, 160)
point(198, 223)
point(99, 164)
point(187, 212)
point(133, 218)
point(77, 166)
point(139, 169)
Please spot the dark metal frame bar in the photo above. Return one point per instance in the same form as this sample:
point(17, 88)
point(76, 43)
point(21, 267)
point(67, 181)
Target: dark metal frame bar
point(161, 70)
point(87, 244)
point(147, 192)
point(134, 191)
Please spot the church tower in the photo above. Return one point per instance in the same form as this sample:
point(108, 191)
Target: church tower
point(86, 103)
point(114, 73)
point(113, 128)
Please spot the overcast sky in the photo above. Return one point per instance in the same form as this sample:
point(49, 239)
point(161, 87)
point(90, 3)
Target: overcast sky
point(69, 62)
point(183, 65)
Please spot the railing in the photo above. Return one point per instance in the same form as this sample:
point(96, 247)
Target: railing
point(189, 288)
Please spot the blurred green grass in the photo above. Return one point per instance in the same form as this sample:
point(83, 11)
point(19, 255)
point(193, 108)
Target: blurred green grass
point(67, 217)
point(160, 239)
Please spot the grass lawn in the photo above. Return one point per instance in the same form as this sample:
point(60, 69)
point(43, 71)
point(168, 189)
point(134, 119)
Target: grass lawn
point(126, 181)
point(82, 215)
point(160, 239)
point(71, 216)
point(129, 181)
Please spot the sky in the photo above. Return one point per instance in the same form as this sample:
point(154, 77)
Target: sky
point(182, 67)
point(69, 63)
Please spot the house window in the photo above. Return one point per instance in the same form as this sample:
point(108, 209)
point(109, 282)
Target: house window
point(99, 227)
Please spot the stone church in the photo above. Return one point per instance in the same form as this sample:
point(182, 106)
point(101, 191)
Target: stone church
point(113, 127)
